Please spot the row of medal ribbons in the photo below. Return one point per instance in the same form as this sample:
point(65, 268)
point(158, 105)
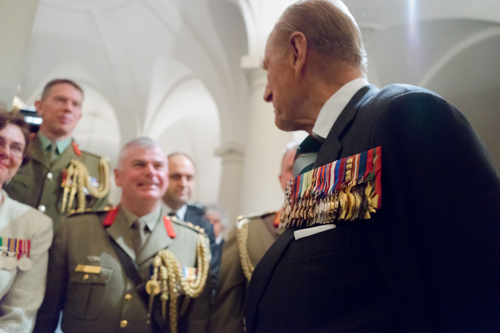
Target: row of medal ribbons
point(15, 253)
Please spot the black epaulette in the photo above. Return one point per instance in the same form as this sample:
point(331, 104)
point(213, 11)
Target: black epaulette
point(256, 216)
point(188, 225)
point(75, 212)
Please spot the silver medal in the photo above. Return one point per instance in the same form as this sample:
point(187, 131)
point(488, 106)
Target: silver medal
point(24, 263)
point(9, 263)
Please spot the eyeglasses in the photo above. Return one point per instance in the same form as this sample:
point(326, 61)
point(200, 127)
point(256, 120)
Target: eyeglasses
point(16, 149)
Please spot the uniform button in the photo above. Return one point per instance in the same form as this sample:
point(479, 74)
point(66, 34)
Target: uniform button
point(41, 208)
point(85, 277)
point(128, 297)
point(49, 176)
point(123, 323)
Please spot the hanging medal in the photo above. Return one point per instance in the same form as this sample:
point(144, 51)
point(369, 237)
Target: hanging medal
point(24, 262)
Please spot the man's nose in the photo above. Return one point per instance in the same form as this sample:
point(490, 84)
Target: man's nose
point(69, 105)
point(149, 169)
point(268, 96)
point(184, 181)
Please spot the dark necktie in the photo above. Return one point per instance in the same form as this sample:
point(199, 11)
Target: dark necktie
point(306, 155)
point(138, 235)
point(52, 152)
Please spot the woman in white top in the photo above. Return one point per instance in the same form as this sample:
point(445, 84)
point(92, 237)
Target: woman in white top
point(25, 237)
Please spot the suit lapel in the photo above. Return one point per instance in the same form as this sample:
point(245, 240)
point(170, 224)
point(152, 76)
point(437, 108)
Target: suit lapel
point(330, 151)
point(332, 148)
point(119, 231)
point(158, 239)
point(190, 216)
point(262, 273)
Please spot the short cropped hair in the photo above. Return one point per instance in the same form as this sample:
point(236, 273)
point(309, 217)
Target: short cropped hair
point(179, 153)
point(48, 86)
point(141, 142)
point(329, 28)
point(17, 119)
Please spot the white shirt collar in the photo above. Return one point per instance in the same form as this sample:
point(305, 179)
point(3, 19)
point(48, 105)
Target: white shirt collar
point(180, 213)
point(334, 106)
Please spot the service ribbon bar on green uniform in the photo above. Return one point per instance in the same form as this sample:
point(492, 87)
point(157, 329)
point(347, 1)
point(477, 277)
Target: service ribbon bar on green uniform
point(348, 189)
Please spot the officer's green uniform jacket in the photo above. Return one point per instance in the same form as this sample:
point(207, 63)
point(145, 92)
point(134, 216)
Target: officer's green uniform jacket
point(107, 301)
point(227, 314)
point(38, 183)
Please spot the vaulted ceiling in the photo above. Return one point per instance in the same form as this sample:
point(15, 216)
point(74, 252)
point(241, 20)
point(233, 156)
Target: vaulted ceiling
point(172, 69)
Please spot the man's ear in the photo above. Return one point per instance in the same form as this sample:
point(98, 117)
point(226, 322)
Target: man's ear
point(38, 105)
point(117, 177)
point(298, 42)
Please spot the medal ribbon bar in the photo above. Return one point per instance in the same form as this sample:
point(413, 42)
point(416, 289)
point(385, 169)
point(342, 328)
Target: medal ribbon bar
point(348, 189)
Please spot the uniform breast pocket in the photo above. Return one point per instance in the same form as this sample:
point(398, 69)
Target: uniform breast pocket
point(329, 242)
point(86, 293)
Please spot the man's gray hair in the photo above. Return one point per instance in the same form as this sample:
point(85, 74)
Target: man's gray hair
point(330, 30)
point(217, 208)
point(141, 142)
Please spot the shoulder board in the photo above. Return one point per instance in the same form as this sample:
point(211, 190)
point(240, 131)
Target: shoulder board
point(89, 211)
point(188, 225)
point(86, 153)
point(256, 216)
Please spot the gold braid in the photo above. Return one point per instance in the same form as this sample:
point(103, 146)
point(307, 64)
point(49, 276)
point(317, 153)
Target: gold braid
point(77, 178)
point(173, 282)
point(242, 235)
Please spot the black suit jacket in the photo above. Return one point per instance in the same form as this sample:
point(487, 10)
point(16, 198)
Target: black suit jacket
point(196, 216)
point(428, 261)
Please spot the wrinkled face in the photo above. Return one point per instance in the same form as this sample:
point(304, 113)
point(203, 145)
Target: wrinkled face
point(287, 168)
point(216, 220)
point(281, 89)
point(12, 145)
point(142, 174)
point(181, 181)
point(60, 111)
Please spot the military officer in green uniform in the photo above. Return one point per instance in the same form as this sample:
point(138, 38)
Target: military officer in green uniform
point(132, 268)
point(246, 244)
point(60, 178)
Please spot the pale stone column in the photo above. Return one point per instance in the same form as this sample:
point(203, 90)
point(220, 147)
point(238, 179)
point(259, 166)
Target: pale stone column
point(265, 145)
point(232, 155)
point(16, 23)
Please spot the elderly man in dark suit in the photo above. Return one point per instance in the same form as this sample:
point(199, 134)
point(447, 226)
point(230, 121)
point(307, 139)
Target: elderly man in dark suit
point(429, 259)
point(132, 268)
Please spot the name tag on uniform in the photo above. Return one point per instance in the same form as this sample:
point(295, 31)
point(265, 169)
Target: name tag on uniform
point(88, 269)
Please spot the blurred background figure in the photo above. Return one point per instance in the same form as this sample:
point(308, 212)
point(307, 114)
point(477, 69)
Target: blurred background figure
point(217, 217)
point(182, 176)
point(246, 244)
point(25, 236)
